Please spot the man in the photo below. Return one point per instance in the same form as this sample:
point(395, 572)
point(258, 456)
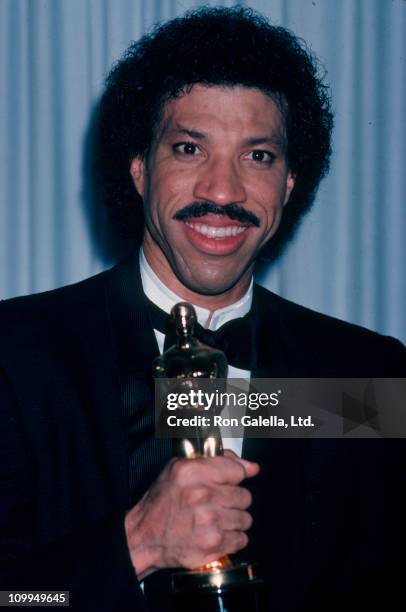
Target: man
point(218, 126)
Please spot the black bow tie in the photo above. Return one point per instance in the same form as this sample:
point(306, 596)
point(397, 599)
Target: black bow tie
point(234, 338)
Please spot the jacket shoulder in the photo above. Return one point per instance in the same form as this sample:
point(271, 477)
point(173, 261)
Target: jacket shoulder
point(333, 344)
point(41, 320)
point(56, 298)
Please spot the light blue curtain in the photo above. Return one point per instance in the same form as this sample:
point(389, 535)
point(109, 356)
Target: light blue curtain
point(348, 256)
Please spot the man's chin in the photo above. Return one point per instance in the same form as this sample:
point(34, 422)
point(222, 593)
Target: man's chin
point(208, 287)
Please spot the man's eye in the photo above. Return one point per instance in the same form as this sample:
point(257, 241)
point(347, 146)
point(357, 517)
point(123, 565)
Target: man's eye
point(185, 148)
point(259, 156)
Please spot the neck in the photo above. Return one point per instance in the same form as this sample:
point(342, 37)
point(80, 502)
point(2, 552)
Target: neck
point(165, 274)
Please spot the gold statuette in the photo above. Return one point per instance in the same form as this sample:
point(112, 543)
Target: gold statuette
point(221, 584)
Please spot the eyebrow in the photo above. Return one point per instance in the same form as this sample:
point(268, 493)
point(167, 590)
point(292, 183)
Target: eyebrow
point(252, 141)
point(273, 140)
point(192, 133)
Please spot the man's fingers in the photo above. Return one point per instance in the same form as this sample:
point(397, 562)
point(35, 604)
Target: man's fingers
point(196, 510)
point(234, 497)
point(226, 519)
point(230, 542)
point(235, 520)
point(213, 470)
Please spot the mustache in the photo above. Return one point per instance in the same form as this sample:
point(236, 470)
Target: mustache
point(233, 211)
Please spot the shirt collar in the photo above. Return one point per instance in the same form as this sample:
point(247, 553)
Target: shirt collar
point(163, 297)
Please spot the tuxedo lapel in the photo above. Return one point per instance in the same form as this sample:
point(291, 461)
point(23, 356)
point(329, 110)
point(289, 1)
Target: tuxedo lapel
point(133, 334)
point(271, 357)
point(286, 494)
point(91, 327)
point(136, 349)
point(276, 355)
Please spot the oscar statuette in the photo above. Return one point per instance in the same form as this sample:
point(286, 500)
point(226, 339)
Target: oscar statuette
point(222, 585)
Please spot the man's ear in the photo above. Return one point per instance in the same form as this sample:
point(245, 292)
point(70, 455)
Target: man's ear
point(290, 183)
point(137, 171)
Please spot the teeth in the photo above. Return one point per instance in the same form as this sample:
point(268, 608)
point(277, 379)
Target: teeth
point(216, 232)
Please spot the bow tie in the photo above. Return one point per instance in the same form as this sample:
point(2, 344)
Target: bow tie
point(234, 338)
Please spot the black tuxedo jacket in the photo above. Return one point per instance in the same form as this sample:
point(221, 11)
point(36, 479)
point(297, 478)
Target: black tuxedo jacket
point(328, 514)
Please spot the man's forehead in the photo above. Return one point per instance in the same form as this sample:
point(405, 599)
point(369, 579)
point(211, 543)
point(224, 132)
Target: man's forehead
point(203, 110)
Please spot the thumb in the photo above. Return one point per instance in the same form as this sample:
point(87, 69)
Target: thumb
point(250, 467)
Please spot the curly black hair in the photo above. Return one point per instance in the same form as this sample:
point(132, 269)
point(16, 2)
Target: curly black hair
point(213, 46)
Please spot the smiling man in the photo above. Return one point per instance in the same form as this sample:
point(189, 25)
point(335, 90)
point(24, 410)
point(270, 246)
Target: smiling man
point(222, 150)
point(215, 133)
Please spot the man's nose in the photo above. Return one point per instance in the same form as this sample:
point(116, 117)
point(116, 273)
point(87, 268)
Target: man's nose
point(220, 182)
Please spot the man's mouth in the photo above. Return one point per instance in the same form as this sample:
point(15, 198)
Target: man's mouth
point(217, 232)
point(216, 235)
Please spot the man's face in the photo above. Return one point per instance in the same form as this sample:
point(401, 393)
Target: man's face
point(214, 185)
